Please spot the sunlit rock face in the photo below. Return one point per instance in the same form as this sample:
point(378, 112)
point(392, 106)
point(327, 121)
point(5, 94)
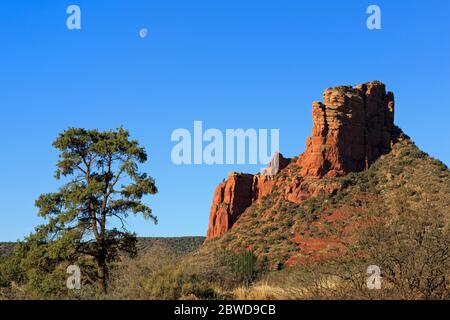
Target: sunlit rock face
point(352, 128)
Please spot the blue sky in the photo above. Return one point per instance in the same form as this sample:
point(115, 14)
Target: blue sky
point(231, 64)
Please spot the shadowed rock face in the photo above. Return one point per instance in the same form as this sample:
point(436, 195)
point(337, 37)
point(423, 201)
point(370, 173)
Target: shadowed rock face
point(352, 128)
point(230, 199)
point(236, 194)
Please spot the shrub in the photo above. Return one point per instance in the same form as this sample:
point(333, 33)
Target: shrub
point(173, 283)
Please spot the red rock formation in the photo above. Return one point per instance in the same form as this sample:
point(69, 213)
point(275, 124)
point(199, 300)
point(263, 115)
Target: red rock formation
point(230, 199)
point(352, 128)
point(236, 194)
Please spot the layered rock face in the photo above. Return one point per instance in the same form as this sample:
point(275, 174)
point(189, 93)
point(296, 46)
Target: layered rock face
point(236, 194)
point(230, 199)
point(352, 128)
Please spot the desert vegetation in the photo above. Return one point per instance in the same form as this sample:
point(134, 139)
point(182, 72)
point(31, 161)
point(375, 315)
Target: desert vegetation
point(394, 215)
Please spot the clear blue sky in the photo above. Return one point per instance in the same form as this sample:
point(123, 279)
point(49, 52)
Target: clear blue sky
point(231, 64)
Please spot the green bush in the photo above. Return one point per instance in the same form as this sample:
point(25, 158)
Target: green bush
point(174, 283)
point(245, 266)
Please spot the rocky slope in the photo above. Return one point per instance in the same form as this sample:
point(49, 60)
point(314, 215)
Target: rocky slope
point(352, 128)
point(357, 165)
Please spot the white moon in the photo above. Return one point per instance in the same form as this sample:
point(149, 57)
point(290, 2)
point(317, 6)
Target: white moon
point(143, 33)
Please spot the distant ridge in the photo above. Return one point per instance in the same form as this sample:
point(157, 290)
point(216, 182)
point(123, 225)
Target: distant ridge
point(176, 245)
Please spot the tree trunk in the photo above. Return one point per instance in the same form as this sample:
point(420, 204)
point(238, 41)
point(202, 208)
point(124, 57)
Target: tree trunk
point(102, 275)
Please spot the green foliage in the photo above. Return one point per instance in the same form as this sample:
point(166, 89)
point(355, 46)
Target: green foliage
point(282, 233)
point(241, 266)
point(174, 283)
point(313, 207)
point(176, 245)
point(102, 184)
point(394, 214)
point(245, 266)
point(39, 266)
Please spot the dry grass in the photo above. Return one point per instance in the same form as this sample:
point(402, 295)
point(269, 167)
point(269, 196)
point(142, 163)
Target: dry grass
point(266, 291)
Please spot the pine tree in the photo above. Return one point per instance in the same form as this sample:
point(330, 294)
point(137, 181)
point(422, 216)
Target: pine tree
point(103, 184)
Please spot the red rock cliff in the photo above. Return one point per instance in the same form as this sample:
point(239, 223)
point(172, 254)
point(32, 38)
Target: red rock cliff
point(230, 199)
point(351, 129)
point(236, 194)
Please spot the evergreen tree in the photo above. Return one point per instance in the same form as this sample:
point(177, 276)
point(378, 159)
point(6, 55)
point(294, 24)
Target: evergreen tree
point(102, 184)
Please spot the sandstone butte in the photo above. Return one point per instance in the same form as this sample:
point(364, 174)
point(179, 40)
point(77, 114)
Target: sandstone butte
point(352, 128)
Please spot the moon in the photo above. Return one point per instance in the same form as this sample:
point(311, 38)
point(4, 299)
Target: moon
point(143, 33)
